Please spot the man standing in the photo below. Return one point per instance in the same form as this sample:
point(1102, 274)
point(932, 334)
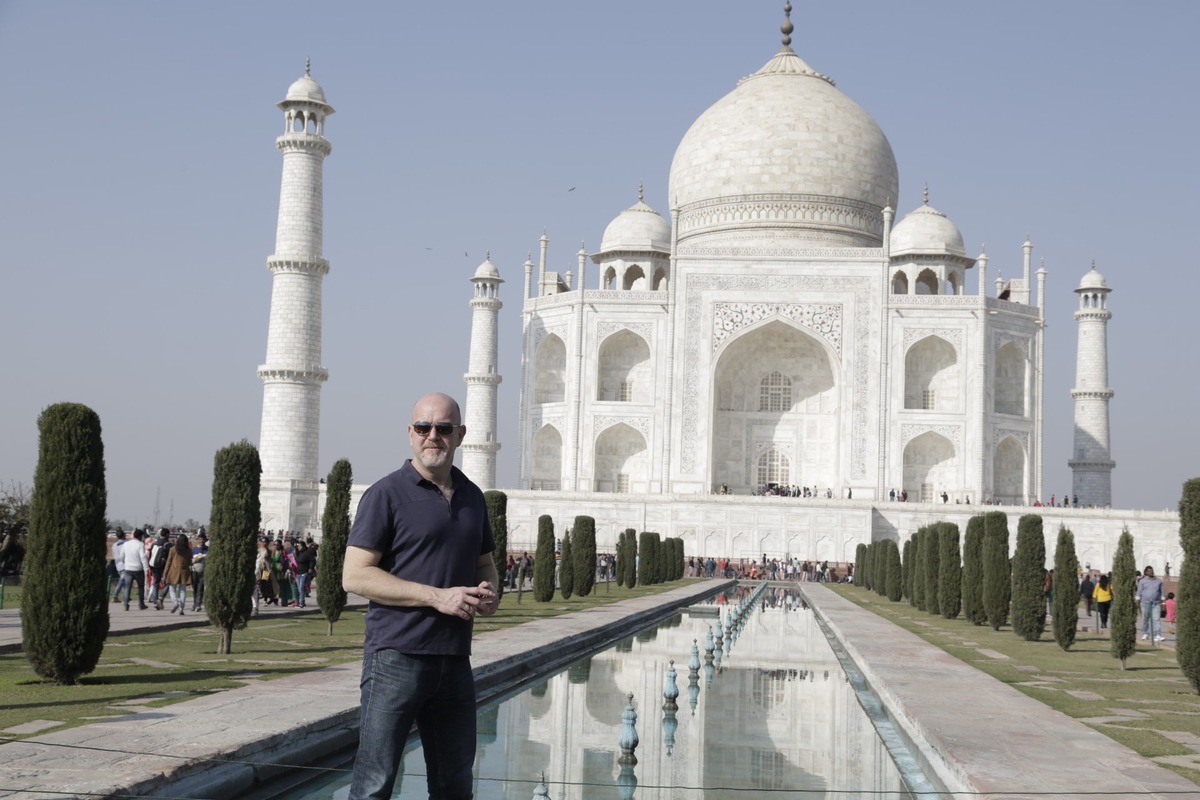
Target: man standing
point(136, 565)
point(118, 565)
point(421, 552)
point(199, 553)
point(1149, 595)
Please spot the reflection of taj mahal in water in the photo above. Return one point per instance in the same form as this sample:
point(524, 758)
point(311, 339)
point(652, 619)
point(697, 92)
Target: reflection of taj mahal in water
point(782, 327)
point(775, 712)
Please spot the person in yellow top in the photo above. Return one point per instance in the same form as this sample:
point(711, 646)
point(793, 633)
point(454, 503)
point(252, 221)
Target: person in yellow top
point(1103, 595)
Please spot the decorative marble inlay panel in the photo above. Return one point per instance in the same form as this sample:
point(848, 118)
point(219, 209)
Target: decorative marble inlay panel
point(538, 420)
point(606, 329)
point(1021, 436)
point(824, 319)
point(862, 289)
point(910, 431)
point(640, 424)
point(834, 214)
point(799, 251)
point(952, 335)
point(763, 445)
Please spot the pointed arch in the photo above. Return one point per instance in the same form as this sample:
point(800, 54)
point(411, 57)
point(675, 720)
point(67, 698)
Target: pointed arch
point(660, 279)
point(551, 375)
point(930, 467)
point(547, 459)
point(954, 281)
point(774, 468)
point(1010, 380)
point(624, 373)
point(803, 424)
point(900, 282)
point(621, 460)
point(1008, 472)
point(634, 279)
point(609, 279)
point(927, 282)
point(931, 375)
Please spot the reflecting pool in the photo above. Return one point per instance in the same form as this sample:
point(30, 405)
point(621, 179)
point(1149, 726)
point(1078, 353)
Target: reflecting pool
point(765, 708)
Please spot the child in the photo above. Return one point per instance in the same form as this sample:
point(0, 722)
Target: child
point(1169, 605)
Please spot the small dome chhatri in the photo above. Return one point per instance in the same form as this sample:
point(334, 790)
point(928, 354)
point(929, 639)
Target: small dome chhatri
point(638, 227)
point(927, 231)
point(1093, 281)
point(305, 90)
point(487, 270)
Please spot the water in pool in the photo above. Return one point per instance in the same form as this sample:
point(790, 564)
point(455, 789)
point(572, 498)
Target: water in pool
point(773, 713)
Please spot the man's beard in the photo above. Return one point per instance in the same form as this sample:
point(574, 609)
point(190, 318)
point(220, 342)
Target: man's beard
point(432, 459)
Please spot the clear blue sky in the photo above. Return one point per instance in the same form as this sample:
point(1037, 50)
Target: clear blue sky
point(140, 185)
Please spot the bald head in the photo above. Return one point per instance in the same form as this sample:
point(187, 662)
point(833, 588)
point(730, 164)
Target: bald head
point(436, 406)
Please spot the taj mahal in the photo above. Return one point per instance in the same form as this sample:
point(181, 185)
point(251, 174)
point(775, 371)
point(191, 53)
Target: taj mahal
point(784, 326)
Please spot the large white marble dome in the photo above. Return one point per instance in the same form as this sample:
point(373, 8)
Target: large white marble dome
point(785, 150)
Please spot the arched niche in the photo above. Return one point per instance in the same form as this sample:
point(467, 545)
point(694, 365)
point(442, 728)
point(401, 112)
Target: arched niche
point(547, 459)
point(900, 282)
point(635, 278)
point(660, 280)
point(927, 282)
point(774, 468)
point(930, 467)
point(931, 375)
point(1010, 380)
point(609, 279)
point(621, 461)
point(550, 379)
point(1008, 472)
point(805, 425)
point(624, 373)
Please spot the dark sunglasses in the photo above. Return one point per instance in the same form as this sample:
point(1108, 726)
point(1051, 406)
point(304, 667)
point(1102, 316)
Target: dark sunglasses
point(443, 428)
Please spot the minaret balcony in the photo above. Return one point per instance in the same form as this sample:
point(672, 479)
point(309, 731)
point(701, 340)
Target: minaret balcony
point(304, 141)
point(312, 374)
point(312, 266)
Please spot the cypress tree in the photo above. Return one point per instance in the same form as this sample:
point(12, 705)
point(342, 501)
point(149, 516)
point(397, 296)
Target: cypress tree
point(895, 570)
point(906, 571)
point(583, 547)
point(1066, 589)
point(233, 534)
point(620, 555)
point(872, 555)
point(631, 553)
point(661, 559)
point(972, 572)
point(543, 561)
point(1187, 615)
point(566, 567)
point(335, 531)
point(880, 567)
point(910, 569)
point(1123, 619)
point(1029, 580)
point(64, 614)
point(679, 558)
point(949, 571)
point(497, 506)
point(920, 542)
point(860, 563)
point(997, 585)
point(646, 559)
point(933, 552)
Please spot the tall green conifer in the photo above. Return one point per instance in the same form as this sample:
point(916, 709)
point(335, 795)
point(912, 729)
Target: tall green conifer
point(997, 583)
point(1123, 619)
point(64, 616)
point(1187, 624)
point(1029, 579)
point(233, 540)
point(544, 561)
point(1066, 589)
point(972, 574)
point(949, 571)
point(335, 531)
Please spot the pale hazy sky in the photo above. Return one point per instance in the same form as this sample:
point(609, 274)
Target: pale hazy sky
point(140, 184)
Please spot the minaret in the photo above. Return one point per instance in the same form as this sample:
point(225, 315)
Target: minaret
point(292, 373)
point(480, 445)
point(1092, 464)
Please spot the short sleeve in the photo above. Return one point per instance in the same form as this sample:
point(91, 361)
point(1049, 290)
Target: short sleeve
point(373, 527)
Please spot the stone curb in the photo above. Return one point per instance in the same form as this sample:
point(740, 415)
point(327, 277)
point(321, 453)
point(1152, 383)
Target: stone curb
point(263, 726)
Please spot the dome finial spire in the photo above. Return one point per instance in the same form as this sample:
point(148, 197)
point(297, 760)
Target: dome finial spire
point(926, 192)
point(786, 28)
point(308, 67)
point(641, 191)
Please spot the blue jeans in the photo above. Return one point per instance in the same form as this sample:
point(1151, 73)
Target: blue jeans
point(1150, 618)
point(302, 587)
point(435, 692)
point(129, 576)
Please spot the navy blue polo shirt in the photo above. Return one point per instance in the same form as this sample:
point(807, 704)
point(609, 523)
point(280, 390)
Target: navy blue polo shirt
point(425, 539)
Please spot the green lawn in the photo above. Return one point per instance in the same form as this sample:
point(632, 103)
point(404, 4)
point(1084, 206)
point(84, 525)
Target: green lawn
point(1145, 707)
point(160, 668)
point(10, 596)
